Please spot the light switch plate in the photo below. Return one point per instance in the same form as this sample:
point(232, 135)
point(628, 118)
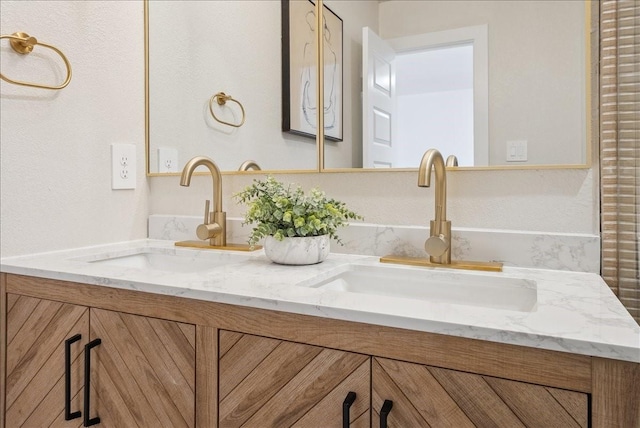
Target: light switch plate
point(123, 166)
point(517, 151)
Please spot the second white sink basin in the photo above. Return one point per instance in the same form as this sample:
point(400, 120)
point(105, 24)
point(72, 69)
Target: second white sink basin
point(167, 260)
point(489, 291)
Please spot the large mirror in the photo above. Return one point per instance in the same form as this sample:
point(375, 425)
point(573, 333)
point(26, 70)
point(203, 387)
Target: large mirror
point(496, 83)
point(196, 49)
point(523, 96)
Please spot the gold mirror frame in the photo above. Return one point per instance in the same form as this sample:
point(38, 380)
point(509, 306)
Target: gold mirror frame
point(591, 99)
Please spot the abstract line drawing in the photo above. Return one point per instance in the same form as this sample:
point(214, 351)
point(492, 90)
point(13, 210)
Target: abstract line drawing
point(300, 74)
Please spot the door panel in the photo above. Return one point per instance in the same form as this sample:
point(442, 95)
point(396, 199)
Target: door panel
point(435, 397)
point(143, 372)
point(378, 101)
point(272, 383)
point(37, 330)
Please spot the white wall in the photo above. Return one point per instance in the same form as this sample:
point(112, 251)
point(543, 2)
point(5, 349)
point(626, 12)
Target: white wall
point(55, 187)
point(55, 184)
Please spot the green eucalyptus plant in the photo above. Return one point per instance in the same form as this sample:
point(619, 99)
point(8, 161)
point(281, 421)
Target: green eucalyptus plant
point(285, 211)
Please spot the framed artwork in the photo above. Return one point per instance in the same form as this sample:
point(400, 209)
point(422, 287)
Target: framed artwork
point(299, 76)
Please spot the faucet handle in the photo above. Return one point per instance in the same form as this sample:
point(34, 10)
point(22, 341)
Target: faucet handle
point(208, 231)
point(207, 204)
point(436, 246)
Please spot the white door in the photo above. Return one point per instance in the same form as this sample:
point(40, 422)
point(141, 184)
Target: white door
point(378, 88)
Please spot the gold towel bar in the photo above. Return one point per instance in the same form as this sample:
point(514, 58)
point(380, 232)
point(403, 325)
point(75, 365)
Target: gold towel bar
point(222, 99)
point(23, 44)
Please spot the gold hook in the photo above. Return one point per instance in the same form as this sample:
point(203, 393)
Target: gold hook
point(222, 99)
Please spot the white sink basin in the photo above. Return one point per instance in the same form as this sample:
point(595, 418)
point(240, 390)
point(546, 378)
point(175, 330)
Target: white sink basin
point(452, 287)
point(167, 260)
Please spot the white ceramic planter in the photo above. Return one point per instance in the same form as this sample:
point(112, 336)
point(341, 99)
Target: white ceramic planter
point(305, 250)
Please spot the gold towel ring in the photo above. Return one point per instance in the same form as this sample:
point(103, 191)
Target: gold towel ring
point(222, 99)
point(23, 44)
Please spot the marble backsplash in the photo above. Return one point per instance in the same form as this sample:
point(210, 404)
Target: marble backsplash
point(557, 251)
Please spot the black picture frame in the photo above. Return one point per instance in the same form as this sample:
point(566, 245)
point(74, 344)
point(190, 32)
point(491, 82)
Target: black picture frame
point(299, 115)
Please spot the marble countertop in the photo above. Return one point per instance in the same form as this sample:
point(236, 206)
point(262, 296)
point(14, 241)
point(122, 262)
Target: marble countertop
point(574, 312)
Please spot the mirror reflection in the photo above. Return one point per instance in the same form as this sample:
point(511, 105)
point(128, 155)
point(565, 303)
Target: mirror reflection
point(197, 49)
point(528, 108)
point(496, 83)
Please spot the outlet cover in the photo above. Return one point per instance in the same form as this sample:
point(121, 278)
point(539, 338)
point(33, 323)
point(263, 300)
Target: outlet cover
point(167, 160)
point(123, 166)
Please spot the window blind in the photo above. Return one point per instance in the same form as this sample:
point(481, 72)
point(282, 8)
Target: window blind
point(620, 149)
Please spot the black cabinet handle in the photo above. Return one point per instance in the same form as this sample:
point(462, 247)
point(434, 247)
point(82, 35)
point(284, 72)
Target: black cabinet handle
point(346, 405)
point(384, 412)
point(68, 414)
point(88, 421)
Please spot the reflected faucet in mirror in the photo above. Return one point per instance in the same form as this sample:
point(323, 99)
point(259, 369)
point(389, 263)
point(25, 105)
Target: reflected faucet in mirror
point(248, 165)
point(214, 227)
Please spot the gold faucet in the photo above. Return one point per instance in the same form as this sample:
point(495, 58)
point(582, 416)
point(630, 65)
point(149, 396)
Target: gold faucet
point(438, 245)
point(215, 223)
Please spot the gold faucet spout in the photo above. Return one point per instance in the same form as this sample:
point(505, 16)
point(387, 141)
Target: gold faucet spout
point(214, 227)
point(432, 159)
point(190, 167)
point(438, 245)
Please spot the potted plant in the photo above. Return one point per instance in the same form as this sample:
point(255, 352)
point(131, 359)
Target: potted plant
point(296, 227)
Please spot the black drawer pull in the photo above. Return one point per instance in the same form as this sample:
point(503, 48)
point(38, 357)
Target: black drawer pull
point(68, 414)
point(88, 421)
point(346, 405)
point(384, 412)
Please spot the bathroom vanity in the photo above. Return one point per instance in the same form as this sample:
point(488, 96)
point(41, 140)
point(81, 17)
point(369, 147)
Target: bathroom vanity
point(183, 337)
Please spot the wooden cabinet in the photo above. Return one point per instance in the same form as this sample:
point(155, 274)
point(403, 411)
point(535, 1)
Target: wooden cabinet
point(266, 382)
point(170, 361)
point(435, 397)
point(142, 369)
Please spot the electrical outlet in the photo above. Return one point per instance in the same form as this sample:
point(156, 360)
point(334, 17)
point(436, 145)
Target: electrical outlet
point(167, 160)
point(123, 166)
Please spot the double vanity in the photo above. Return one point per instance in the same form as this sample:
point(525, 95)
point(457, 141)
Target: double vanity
point(186, 337)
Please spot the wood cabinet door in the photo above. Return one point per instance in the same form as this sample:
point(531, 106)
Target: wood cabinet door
point(36, 333)
point(143, 371)
point(426, 396)
point(266, 382)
